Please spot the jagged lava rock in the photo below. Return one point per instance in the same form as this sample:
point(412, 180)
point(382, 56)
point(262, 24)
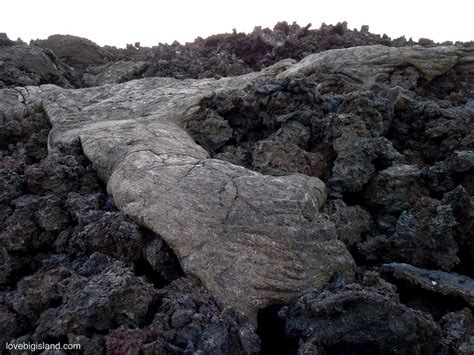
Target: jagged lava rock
point(458, 332)
point(224, 222)
point(360, 318)
point(444, 283)
point(252, 239)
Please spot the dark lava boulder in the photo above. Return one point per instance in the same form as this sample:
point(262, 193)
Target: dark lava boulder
point(115, 296)
point(43, 290)
point(423, 236)
point(5, 41)
point(10, 325)
point(22, 65)
point(187, 320)
point(462, 205)
point(458, 332)
point(458, 168)
point(109, 232)
point(351, 221)
point(433, 291)
point(358, 319)
point(74, 51)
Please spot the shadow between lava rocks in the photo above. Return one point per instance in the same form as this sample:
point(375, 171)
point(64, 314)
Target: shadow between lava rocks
point(271, 330)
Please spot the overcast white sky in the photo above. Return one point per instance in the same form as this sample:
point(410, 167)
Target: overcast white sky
point(118, 22)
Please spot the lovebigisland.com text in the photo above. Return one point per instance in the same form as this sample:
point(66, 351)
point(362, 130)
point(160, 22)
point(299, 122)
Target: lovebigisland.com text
point(33, 347)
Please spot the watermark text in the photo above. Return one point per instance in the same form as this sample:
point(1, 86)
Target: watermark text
point(41, 346)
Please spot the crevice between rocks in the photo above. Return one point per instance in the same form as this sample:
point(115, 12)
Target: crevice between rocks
point(271, 330)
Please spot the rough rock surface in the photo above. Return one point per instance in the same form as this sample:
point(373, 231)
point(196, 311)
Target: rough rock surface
point(423, 236)
point(132, 134)
point(223, 221)
point(55, 284)
point(458, 331)
point(74, 51)
point(447, 284)
point(219, 218)
point(23, 65)
point(216, 56)
point(84, 307)
point(116, 72)
point(262, 185)
point(187, 320)
point(358, 318)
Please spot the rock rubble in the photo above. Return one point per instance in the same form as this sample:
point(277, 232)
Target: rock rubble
point(311, 186)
